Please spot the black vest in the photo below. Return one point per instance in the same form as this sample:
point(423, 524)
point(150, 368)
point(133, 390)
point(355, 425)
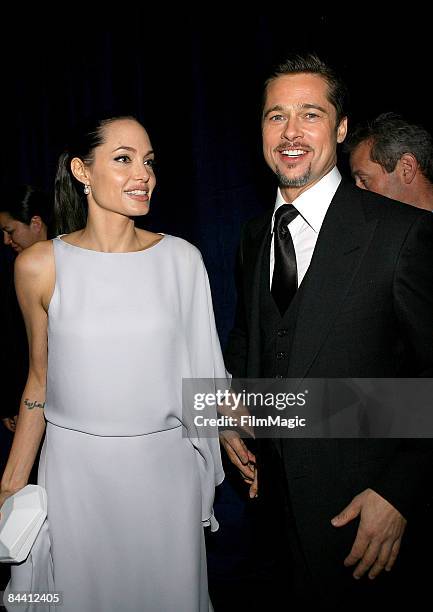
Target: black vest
point(276, 331)
point(276, 339)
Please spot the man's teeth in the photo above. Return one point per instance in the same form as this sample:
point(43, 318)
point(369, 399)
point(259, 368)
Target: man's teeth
point(138, 192)
point(293, 153)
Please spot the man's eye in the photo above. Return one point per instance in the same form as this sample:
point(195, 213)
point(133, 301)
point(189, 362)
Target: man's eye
point(122, 159)
point(311, 115)
point(276, 118)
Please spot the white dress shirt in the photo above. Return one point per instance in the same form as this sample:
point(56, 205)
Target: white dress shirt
point(312, 206)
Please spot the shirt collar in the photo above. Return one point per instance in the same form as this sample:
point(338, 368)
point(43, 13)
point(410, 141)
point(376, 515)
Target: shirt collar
point(313, 203)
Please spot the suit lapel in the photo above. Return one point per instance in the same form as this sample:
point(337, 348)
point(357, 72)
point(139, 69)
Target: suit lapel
point(343, 240)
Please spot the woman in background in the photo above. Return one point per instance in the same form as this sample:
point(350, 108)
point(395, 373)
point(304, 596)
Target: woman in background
point(25, 216)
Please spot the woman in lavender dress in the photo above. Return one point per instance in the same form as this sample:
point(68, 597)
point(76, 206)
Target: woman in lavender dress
point(116, 318)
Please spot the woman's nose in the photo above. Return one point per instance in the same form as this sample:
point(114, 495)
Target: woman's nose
point(141, 172)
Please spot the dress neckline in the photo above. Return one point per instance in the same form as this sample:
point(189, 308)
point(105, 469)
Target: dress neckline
point(74, 246)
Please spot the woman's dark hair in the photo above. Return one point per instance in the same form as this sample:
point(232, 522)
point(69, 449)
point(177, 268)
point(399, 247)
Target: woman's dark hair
point(24, 202)
point(70, 203)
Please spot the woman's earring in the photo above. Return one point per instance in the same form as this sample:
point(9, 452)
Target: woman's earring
point(86, 189)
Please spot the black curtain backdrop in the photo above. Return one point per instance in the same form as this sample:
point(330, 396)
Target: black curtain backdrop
point(196, 84)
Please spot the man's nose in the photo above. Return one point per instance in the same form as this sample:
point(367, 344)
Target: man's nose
point(292, 129)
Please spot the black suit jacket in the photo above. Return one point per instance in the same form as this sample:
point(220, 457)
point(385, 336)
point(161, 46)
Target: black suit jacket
point(364, 309)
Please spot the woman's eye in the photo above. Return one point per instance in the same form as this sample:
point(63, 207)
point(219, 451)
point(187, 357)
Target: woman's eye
point(122, 158)
point(149, 162)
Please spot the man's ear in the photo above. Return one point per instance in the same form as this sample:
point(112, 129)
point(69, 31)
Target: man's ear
point(79, 170)
point(407, 167)
point(342, 130)
point(36, 223)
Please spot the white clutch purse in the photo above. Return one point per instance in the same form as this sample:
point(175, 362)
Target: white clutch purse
point(22, 515)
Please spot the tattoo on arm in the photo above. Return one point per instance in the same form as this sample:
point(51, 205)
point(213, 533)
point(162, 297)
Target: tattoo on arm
point(30, 405)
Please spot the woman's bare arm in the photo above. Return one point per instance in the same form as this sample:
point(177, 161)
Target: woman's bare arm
point(34, 282)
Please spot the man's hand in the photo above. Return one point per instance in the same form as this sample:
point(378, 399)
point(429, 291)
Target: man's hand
point(10, 423)
point(241, 457)
point(379, 535)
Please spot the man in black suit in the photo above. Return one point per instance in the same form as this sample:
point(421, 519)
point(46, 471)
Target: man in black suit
point(363, 308)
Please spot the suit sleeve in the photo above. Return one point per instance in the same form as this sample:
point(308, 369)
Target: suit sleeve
point(407, 481)
point(413, 294)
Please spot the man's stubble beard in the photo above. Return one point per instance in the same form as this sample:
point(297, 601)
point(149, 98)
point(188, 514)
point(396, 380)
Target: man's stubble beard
point(299, 181)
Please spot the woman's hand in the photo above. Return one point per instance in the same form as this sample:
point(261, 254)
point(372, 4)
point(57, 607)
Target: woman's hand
point(3, 497)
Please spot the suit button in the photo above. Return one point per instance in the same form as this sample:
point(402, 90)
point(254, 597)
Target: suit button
point(282, 332)
point(282, 355)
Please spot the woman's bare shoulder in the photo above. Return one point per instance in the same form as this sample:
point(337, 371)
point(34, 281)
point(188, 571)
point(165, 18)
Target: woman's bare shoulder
point(37, 260)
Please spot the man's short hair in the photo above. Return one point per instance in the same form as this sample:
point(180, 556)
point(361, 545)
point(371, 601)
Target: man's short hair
point(310, 63)
point(391, 137)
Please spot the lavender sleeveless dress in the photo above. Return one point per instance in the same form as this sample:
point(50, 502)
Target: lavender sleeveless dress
point(127, 493)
